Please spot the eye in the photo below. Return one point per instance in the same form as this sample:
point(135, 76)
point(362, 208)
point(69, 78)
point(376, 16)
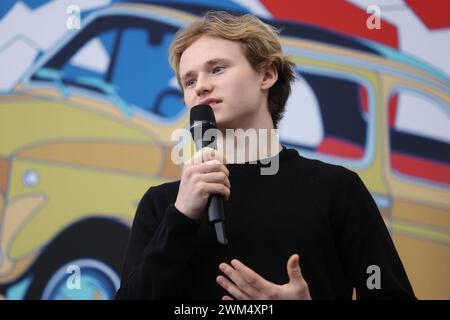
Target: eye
point(189, 82)
point(218, 69)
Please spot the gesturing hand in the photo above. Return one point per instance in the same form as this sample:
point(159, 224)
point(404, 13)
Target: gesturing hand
point(245, 284)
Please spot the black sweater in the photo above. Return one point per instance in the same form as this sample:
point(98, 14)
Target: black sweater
point(322, 212)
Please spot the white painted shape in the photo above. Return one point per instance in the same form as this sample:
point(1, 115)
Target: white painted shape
point(12, 24)
point(255, 7)
point(39, 28)
point(92, 56)
point(173, 83)
point(302, 121)
point(420, 115)
point(415, 39)
point(11, 72)
point(363, 4)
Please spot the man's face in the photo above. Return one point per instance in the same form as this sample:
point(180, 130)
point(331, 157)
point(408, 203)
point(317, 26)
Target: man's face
point(215, 71)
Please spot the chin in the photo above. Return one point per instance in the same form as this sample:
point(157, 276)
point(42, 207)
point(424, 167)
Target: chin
point(223, 125)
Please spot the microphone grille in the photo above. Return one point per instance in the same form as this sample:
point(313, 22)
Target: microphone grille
point(202, 112)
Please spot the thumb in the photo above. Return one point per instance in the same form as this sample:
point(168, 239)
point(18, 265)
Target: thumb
point(293, 268)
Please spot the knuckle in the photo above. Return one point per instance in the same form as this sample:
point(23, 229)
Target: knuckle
point(224, 190)
point(202, 189)
point(208, 167)
point(194, 177)
point(211, 165)
point(251, 280)
point(188, 171)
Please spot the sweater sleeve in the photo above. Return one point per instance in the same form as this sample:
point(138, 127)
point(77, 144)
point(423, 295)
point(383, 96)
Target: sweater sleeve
point(160, 245)
point(367, 250)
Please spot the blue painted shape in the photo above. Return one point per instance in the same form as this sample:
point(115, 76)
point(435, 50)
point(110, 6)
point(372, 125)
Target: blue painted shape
point(5, 6)
point(141, 70)
point(18, 290)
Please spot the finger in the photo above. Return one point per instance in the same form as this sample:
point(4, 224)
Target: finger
point(216, 188)
point(293, 268)
point(240, 281)
point(213, 154)
point(250, 276)
point(214, 165)
point(232, 288)
point(211, 166)
point(207, 154)
point(227, 298)
point(217, 177)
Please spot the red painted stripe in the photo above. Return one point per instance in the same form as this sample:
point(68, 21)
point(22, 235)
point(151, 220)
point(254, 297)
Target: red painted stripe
point(363, 99)
point(435, 14)
point(340, 148)
point(421, 168)
point(337, 15)
point(393, 103)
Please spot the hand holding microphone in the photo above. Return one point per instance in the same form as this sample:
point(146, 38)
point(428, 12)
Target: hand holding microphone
point(204, 182)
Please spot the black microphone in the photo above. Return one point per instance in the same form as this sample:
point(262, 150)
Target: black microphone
point(202, 119)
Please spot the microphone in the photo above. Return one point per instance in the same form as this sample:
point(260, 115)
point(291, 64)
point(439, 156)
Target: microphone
point(201, 120)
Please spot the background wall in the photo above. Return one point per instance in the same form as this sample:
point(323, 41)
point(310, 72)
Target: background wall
point(88, 104)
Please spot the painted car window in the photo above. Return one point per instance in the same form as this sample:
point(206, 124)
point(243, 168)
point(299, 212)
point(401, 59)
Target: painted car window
point(83, 65)
point(130, 68)
point(327, 115)
point(142, 73)
point(419, 149)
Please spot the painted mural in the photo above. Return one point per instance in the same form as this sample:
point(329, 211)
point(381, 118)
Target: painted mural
point(88, 104)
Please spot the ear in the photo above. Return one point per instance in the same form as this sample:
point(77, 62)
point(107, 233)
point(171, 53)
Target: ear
point(270, 76)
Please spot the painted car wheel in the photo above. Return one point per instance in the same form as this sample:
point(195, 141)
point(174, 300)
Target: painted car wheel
point(82, 262)
point(85, 279)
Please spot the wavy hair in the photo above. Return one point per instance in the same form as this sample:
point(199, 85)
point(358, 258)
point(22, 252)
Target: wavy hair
point(261, 46)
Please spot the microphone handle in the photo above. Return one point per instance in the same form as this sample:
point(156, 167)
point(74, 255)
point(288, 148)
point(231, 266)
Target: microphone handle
point(215, 208)
point(216, 213)
point(216, 216)
point(215, 201)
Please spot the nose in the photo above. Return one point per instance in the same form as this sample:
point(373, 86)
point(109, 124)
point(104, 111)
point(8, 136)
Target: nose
point(203, 86)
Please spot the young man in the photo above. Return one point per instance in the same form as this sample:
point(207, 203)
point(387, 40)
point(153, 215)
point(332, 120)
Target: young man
point(311, 230)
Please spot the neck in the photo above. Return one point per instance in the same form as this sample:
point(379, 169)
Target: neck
point(240, 146)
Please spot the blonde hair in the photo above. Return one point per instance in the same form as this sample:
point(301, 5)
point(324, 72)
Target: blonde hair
point(261, 48)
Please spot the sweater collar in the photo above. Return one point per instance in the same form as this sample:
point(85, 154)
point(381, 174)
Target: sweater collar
point(284, 155)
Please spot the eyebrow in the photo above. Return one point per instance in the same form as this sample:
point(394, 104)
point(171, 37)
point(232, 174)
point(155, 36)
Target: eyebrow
point(208, 64)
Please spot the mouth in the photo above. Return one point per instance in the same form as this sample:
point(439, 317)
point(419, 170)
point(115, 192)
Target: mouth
point(211, 101)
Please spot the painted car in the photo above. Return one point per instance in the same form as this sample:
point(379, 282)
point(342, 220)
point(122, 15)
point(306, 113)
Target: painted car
point(80, 145)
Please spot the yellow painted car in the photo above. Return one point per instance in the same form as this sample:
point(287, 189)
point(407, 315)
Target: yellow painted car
point(76, 156)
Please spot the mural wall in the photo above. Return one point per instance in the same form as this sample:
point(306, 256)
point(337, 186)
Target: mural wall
point(87, 108)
